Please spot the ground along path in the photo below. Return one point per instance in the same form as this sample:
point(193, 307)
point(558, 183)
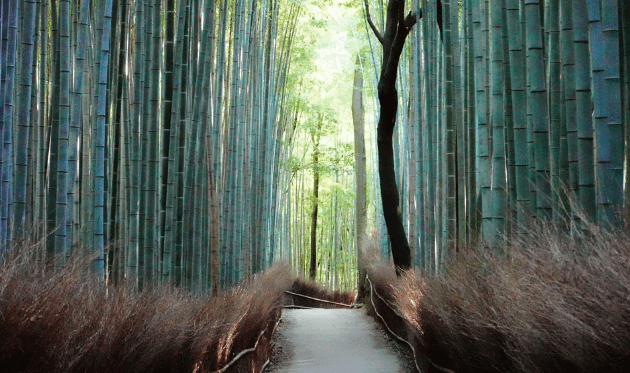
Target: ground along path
point(334, 340)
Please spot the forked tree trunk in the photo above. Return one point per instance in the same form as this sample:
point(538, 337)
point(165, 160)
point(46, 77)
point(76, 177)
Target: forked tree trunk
point(397, 28)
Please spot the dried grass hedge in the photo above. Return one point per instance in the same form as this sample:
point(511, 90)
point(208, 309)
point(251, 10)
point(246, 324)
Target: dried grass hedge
point(69, 321)
point(547, 303)
point(312, 289)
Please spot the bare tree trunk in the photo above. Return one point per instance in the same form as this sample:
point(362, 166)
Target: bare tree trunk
point(397, 28)
point(358, 113)
point(316, 137)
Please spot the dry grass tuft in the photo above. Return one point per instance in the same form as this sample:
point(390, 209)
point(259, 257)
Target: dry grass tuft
point(548, 303)
point(380, 292)
point(312, 289)
point(69, 321)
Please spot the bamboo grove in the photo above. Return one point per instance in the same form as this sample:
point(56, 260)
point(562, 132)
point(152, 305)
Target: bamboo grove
point(149, 134)
point(178, 141)
point(514, 112)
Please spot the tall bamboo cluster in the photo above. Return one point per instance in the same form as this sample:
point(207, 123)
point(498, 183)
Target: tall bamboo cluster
point(515, 112)
point(147, 133)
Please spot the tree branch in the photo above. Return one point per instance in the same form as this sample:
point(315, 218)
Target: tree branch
point(404, 27)
point(372, 26)
point(412, 19)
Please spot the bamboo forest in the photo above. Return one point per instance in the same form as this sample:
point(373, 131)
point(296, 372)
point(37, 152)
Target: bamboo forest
point(197, 142)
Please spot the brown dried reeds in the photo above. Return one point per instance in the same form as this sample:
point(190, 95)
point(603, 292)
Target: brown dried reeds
point(310, 288)
point(547, 302)
point(69, 321)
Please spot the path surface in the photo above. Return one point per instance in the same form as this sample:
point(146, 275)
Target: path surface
point(335, 340)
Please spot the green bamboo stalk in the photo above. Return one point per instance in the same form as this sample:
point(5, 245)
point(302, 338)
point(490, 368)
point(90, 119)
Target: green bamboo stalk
point(112, 143)
point(77, 112)
point(512, 196)
point(144, 124)
point(497, 118)
point(85, 213)
point(230, 142)
point(114, 179)
point(171, 259)
point(473, 213)
point(10, 16)
point(195, 156)
point(218, 158)
point(98, 165)
point(567, 56)
point(603, 28)
point(20, 222)
point(586, 168)
point(450, 103)
point(427, 143)
point(167, 96)
point(458, 42)
point(125, 188)
point(61, 244)
point(32, 193)
point(180, 253)
point(538, 114)
point(133, 252)
point(189, 147)
point(419, 187)
point(624, 16)
point(149, 201)
point(52, 164)
point(203, 94)
point(40, 181)
point(480, 50)
point(557, 128)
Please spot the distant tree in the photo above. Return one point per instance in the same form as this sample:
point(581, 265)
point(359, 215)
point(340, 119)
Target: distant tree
point(358, 114)
point(316, 137)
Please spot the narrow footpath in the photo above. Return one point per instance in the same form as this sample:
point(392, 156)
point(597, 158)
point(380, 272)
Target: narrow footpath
point(334, 340)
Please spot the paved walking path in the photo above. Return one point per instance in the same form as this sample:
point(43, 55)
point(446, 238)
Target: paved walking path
point(335, 340)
